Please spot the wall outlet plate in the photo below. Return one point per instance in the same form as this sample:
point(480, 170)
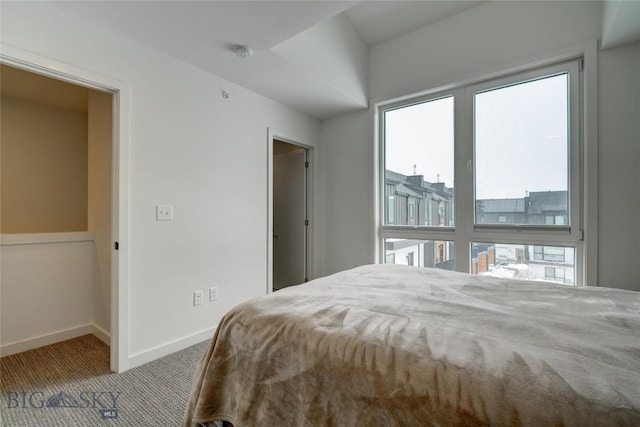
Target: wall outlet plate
point(213, 293)
point(197, 298)
point(164, 212)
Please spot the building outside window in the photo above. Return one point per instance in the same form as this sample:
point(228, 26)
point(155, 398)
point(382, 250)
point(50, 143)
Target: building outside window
point(554, 274)
point(411, 211)
point(391, 203)
point(496, 161)
point(548, 253)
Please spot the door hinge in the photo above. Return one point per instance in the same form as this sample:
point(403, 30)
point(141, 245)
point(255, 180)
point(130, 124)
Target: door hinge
point(116, 246)
point(306, 222)
point(306, 164)
point(581, 64)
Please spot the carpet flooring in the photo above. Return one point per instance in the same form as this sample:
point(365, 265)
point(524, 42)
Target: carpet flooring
point(69, 384)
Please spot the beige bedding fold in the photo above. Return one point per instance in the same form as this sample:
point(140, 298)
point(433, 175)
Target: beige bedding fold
point(402, 346)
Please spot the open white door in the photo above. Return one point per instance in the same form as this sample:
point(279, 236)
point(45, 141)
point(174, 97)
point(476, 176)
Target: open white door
point(289, 215)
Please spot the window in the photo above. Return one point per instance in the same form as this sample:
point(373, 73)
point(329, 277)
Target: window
point(411, 211)
point(391, 203)
point(410, 257)
point(421, 253)
point(419, 157)
point(512, 147)
point(524, 262)
point(555, 219)
point(521, 149)
point(546, 253)
point(554, 274)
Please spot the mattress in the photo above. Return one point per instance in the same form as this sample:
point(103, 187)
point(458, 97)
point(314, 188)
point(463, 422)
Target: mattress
point(389, 345)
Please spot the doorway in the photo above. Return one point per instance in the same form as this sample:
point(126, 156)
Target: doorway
point(56, 210)
point(290, 221)
point(289, 213)
point(115, 97)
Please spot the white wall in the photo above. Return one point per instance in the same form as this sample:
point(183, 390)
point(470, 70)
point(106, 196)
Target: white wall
point(190, 148)
point(345, 201)
point(618, 158)
point(46, 295)
point(479, 41)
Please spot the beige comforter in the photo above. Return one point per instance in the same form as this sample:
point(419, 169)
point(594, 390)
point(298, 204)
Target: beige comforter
point(402, 346)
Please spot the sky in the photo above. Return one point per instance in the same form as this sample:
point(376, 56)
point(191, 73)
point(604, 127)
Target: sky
point(421, 135)
point(520, 139)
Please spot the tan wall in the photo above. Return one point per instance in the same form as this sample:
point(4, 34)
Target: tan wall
point(99, 201)
point(43, 155)
point(482, 262)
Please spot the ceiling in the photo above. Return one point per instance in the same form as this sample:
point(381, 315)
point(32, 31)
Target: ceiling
point(310, 55)
point(379, 21)
point(204, 33)
point(620, 22)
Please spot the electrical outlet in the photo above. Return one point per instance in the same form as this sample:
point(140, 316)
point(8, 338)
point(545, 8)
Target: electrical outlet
point(213, 293)
point(197, 298)
point(164, 212)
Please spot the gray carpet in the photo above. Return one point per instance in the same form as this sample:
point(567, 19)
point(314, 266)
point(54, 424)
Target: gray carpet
point(69, 384)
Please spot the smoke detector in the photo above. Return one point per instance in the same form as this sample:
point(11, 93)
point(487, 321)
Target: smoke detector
point(244, 52)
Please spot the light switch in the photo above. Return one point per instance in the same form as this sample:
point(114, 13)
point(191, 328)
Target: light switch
point(164, 212)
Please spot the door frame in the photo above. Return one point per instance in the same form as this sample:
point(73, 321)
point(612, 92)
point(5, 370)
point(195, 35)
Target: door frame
point(28, 61)
point(274, 134)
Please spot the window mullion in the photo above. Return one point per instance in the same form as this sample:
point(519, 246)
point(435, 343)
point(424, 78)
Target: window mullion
point(574, 151)
point(464, 178)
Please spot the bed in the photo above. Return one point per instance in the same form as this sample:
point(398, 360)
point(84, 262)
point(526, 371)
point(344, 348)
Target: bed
point(388, 345)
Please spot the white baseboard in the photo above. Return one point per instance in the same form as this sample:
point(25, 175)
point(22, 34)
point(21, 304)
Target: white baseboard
point(134, 360)
point(101, 334)
point(42, 340)
point(171, 347)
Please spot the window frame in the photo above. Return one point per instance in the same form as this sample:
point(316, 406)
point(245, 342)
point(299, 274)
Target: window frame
point(465, 230)
point(545, 253)
point(571, 68)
